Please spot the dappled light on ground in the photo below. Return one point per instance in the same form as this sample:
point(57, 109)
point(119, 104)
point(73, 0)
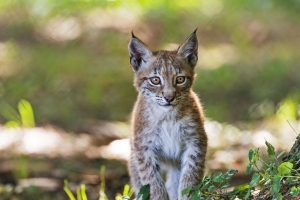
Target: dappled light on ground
point(45, 141)
point(118, 149)
point(40, 158)
point(54, 142)
point(227, 143)
point(44, 183)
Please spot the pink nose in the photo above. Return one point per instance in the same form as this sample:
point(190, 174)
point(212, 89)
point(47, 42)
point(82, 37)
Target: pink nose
point(169, 99)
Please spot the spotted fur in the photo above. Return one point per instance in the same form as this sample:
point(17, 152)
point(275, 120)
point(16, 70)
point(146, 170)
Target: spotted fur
point(167, 121)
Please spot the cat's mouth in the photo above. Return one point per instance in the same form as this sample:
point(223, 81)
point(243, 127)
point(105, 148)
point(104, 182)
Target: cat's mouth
point(168, 105)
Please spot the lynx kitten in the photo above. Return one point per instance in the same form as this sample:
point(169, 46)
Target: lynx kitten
point(167, 120)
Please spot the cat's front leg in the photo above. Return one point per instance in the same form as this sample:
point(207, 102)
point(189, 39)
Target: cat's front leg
point(192, 169)
point(149, 174)
point(172, 183)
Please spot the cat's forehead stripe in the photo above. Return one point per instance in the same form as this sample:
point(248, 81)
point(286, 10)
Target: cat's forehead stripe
point(165, 62)
point(179, 70)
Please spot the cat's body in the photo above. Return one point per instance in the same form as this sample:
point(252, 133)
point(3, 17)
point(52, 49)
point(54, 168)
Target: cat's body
point(167, 121)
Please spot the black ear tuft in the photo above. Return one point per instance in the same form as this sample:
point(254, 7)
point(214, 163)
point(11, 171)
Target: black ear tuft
point(189, 50)
point(133, 36)
point(138, 52)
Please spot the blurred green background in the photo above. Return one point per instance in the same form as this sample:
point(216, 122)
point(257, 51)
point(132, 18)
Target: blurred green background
point(69, 58)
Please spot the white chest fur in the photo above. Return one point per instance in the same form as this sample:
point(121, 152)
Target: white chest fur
point(169, 130)
point(169, 139)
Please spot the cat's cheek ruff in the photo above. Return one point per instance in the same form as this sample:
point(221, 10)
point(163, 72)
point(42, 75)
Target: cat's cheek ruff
point(146, 93)
point(185, 88)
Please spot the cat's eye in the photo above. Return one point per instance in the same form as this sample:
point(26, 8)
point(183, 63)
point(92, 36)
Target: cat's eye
point(180, 80)
point(155, 80)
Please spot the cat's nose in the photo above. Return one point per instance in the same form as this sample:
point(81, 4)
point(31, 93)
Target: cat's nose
point(169, 98)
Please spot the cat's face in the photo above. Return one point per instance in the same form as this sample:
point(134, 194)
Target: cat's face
point(164, 77)
point(166, 80)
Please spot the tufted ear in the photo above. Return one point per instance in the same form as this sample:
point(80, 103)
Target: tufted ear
point(139, 53)
point(189, 50)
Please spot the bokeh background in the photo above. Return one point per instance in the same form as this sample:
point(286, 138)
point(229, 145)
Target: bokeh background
point(69, 60)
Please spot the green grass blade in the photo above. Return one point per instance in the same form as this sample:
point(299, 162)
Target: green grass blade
point(78, 194)
point(83, 193)
point(102, 184)
point(26, 113)
point(126, 190)
point(68, 191)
